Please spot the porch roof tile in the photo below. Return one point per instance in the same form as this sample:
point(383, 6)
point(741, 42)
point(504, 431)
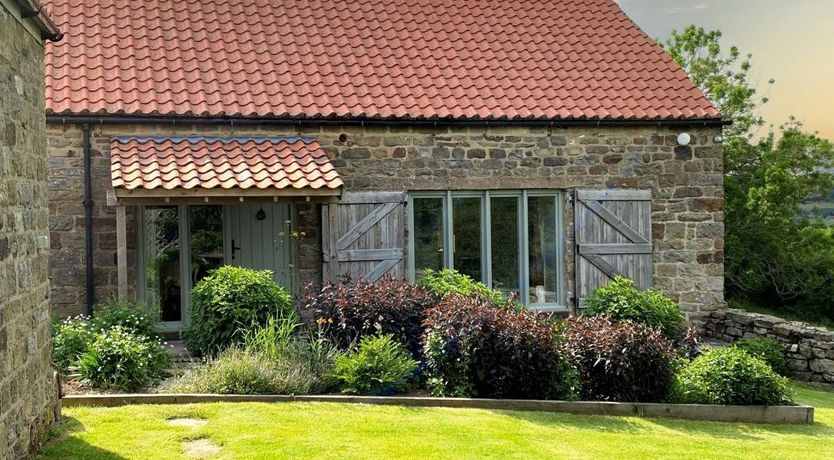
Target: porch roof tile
point(188, 163)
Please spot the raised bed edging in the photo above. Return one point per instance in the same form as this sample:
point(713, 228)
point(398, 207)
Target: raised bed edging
point(755, 414)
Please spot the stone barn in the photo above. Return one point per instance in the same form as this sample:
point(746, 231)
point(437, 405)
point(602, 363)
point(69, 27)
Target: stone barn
point(28, 384)
point(542, 147)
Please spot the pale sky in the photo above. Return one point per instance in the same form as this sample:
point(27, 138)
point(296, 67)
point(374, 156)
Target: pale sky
point(792, 41)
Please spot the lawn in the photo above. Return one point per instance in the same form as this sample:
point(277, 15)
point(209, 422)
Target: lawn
point(324, 430)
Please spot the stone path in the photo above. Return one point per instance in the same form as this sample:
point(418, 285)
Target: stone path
point(196, 448)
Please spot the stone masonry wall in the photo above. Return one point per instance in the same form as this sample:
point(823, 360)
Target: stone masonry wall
point(28, 390)
point(686, 182)
point(809, 349)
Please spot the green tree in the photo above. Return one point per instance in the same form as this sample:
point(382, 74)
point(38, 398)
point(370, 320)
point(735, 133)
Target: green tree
point(770, 252)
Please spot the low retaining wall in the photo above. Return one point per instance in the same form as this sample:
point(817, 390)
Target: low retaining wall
point(755, 414)
point(809, 349)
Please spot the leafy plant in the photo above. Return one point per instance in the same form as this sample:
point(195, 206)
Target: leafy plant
point(620, 361)
point(280, 357)
point(348, 312)
point(230, 301)
point(70, 339)
point(248, 372)
point(768, 350)
point(474, 349)
point(379, 366)
point(730, 376)
point(621, 300)
point(120, 360)
point(114, 312)
point(448, 281)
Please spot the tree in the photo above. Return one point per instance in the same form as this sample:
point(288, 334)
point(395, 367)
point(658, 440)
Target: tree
point(770, 252)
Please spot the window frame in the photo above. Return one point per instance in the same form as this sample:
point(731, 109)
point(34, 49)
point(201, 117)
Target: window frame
point(486, 238)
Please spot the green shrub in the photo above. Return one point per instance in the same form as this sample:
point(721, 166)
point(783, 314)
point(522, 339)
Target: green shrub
point(120, 360)
point(379, 366)
point(626, 361)
point(730, 376)
point(130, 317)
point(349, 311)
point(247, 372)
point(768, 350)
point(448, 281)
point(70, 339)
point(473, 349)
point(621, 300)
point(229, 301)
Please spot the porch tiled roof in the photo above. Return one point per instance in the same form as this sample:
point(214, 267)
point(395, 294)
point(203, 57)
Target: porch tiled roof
point(375, 59)
point(220, 163)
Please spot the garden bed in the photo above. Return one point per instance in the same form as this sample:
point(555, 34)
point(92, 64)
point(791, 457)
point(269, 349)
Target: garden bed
point(797, 414)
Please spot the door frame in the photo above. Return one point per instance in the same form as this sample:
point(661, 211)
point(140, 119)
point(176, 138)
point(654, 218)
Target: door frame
point(185, 259)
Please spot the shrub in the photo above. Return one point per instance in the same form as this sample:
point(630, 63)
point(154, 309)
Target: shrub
point(70, 339)
point(347, 311)
point(768, 350)
point(476, 350)
point(130, 317)
point(730, 376)
point(229, 301)
point(240, 371)
point(623, 361)
point(379, 366)
point(120, 360)
point(621, 300)
point(448, 281)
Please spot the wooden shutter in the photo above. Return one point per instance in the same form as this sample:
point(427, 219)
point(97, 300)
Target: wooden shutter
point(613, 231)
point(363, 236)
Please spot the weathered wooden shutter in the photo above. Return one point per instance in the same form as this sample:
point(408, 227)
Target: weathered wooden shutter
point(613, 237)
point(363, 236)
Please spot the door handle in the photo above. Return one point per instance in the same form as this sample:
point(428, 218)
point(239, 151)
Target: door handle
point(234, 249)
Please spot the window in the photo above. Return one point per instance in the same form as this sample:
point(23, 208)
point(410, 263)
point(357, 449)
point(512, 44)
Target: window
point(179, 246)
point(510, 240)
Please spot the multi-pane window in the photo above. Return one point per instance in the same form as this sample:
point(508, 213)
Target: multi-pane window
point(510, 240)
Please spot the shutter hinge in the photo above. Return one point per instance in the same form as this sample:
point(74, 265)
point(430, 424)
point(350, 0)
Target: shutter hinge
point(572, 198)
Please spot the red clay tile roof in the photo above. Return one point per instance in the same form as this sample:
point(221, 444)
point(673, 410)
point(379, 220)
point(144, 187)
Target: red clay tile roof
point(419, 59)
point(211, 162)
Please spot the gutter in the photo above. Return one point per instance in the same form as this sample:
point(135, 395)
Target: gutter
point(241, 121)
point(34, 9)
point(88, 218)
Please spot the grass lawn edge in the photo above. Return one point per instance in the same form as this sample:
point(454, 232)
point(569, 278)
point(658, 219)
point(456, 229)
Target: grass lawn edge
point(796, 414)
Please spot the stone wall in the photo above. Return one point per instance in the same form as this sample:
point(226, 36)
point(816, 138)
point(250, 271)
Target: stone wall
point(809, 349)
point(686, 182)
point(28, 393)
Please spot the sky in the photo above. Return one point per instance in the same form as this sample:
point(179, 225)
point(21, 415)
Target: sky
point(792, 41)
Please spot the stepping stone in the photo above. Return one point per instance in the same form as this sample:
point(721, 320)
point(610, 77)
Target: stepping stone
point(200, 448)
point(189, 422)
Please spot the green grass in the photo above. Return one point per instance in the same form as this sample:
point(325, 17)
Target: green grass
point(324, 430)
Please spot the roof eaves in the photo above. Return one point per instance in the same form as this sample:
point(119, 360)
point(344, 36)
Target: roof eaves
point(34, 9)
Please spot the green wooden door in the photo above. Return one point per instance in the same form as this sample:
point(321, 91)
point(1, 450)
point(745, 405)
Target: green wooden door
point(258, 237)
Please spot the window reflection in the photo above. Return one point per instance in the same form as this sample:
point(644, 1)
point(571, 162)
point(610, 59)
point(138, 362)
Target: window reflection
point(466, 228)
point(504, 242)
point(428, 234)
point(161, 233)
point(541, 231)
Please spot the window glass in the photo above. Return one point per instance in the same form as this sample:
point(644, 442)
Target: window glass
point(466, 228)
point(206, 226)
point(541, 231)
point(162, 261)
point(428, 234)
point(504, 243)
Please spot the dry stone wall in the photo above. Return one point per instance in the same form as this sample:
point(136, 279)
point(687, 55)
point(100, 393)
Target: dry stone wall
point(809, 349)
point(28, 390)
point(686, 182)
